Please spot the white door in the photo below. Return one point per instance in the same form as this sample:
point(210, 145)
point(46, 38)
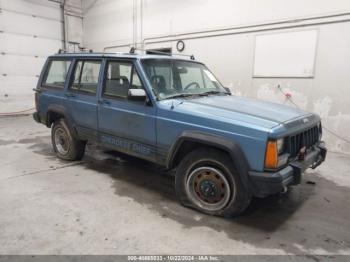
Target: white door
point(29, 32)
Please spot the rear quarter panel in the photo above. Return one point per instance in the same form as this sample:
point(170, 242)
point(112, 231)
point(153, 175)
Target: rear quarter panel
point(49, 98)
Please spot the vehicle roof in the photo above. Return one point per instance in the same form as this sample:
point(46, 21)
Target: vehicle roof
point(122, 55)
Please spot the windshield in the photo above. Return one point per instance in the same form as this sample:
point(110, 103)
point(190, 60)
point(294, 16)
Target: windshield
point(173, 78)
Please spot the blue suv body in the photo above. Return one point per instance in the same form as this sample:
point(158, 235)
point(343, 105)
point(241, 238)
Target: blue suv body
point(174, 112)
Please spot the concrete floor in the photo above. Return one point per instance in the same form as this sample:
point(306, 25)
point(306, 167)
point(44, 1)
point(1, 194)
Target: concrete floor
point(107, 205)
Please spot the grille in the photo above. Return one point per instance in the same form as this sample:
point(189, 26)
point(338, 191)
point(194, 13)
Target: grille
point(306, 138)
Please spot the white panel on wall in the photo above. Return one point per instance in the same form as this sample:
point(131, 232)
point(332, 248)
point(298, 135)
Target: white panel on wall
point(46, 8)
point(21, 65)
point(14, 43)
point(19, 23)
point(32, 30)
point(74, 25)
point(287, 54)
point(108, 23)
point(12, 86)
point(16, 92)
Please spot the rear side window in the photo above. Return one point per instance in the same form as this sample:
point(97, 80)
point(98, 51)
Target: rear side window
point(86, 75)
point(120, 77)
point(57, 73)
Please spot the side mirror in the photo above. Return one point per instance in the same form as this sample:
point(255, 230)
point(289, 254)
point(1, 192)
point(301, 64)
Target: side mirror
point(137, 94)
point(228, 90)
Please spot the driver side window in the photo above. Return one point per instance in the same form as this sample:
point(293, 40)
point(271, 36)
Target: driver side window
point(120, 77)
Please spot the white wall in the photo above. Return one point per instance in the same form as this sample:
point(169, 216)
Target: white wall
point(228, 47)
point(31, 30)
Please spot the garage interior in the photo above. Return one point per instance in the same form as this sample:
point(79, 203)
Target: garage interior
point(111, 204)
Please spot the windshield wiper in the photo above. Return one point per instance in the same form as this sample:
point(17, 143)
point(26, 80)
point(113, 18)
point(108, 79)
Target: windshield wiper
point(179, 96)
point(213, 93)
point(196, 94)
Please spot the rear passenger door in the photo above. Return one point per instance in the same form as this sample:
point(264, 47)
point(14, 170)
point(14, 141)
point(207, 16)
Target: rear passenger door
point(125, 125)
point(82, 96)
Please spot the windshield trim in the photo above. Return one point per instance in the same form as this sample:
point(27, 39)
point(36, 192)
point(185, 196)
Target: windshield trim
point(172, 59)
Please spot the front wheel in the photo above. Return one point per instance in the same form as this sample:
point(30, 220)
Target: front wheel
point(64, 144)
point(206, 180)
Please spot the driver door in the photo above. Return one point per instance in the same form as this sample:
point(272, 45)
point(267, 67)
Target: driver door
point(125, 125)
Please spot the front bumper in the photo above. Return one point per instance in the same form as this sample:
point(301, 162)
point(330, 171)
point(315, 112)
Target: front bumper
point(267, 183)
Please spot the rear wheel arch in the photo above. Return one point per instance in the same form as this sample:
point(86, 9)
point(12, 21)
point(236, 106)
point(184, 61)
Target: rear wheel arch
point(52, 116)
point(57, 112)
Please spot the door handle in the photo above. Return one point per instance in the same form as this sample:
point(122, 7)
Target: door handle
point(103, 101)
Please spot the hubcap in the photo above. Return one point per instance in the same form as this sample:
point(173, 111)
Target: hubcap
point(61, 141)
point(208, 188)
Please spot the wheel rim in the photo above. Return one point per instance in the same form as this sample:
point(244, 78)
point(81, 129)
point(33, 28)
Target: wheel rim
point(208, 188)
point(61, 141)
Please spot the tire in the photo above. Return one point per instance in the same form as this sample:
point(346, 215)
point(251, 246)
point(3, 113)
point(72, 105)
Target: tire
point(64, 144)
point(206, 180)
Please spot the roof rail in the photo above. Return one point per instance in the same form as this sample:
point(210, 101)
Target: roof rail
point(81, 50)
point(133, 49)
point(118, 53)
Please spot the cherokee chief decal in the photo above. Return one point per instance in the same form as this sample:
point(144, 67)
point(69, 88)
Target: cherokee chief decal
point(126, 144)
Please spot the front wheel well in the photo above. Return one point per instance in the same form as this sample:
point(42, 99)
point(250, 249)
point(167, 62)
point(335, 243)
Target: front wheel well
point(188, 146)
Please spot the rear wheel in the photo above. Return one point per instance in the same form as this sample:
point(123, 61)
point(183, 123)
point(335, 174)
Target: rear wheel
point(206, 180)
point(65, 145)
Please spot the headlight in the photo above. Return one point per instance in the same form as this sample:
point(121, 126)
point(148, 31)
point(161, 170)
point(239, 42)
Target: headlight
point(280, 145)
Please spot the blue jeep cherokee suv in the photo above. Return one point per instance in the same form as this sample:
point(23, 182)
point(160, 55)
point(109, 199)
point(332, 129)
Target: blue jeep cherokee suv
point(174, 112)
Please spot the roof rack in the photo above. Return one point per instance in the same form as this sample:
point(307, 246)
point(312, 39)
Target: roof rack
point(81, 50)
point(131, 52)
point(133, 49)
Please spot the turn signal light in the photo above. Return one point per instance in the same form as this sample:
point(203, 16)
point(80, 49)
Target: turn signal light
point(271, 156)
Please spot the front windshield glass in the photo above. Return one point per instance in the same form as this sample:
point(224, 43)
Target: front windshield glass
point(173, 78)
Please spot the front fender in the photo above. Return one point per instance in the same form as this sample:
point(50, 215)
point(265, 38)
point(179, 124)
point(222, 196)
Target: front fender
point(222, 143)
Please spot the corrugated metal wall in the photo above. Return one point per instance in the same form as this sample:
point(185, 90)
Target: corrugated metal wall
point(31, 30)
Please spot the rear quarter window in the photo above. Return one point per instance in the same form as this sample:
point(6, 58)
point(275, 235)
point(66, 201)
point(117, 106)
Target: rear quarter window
point(56, 73)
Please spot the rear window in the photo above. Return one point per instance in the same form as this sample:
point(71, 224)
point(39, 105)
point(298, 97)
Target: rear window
point(56, 73)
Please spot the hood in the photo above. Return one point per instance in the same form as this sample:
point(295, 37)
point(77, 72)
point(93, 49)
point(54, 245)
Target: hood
point(254, 111)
